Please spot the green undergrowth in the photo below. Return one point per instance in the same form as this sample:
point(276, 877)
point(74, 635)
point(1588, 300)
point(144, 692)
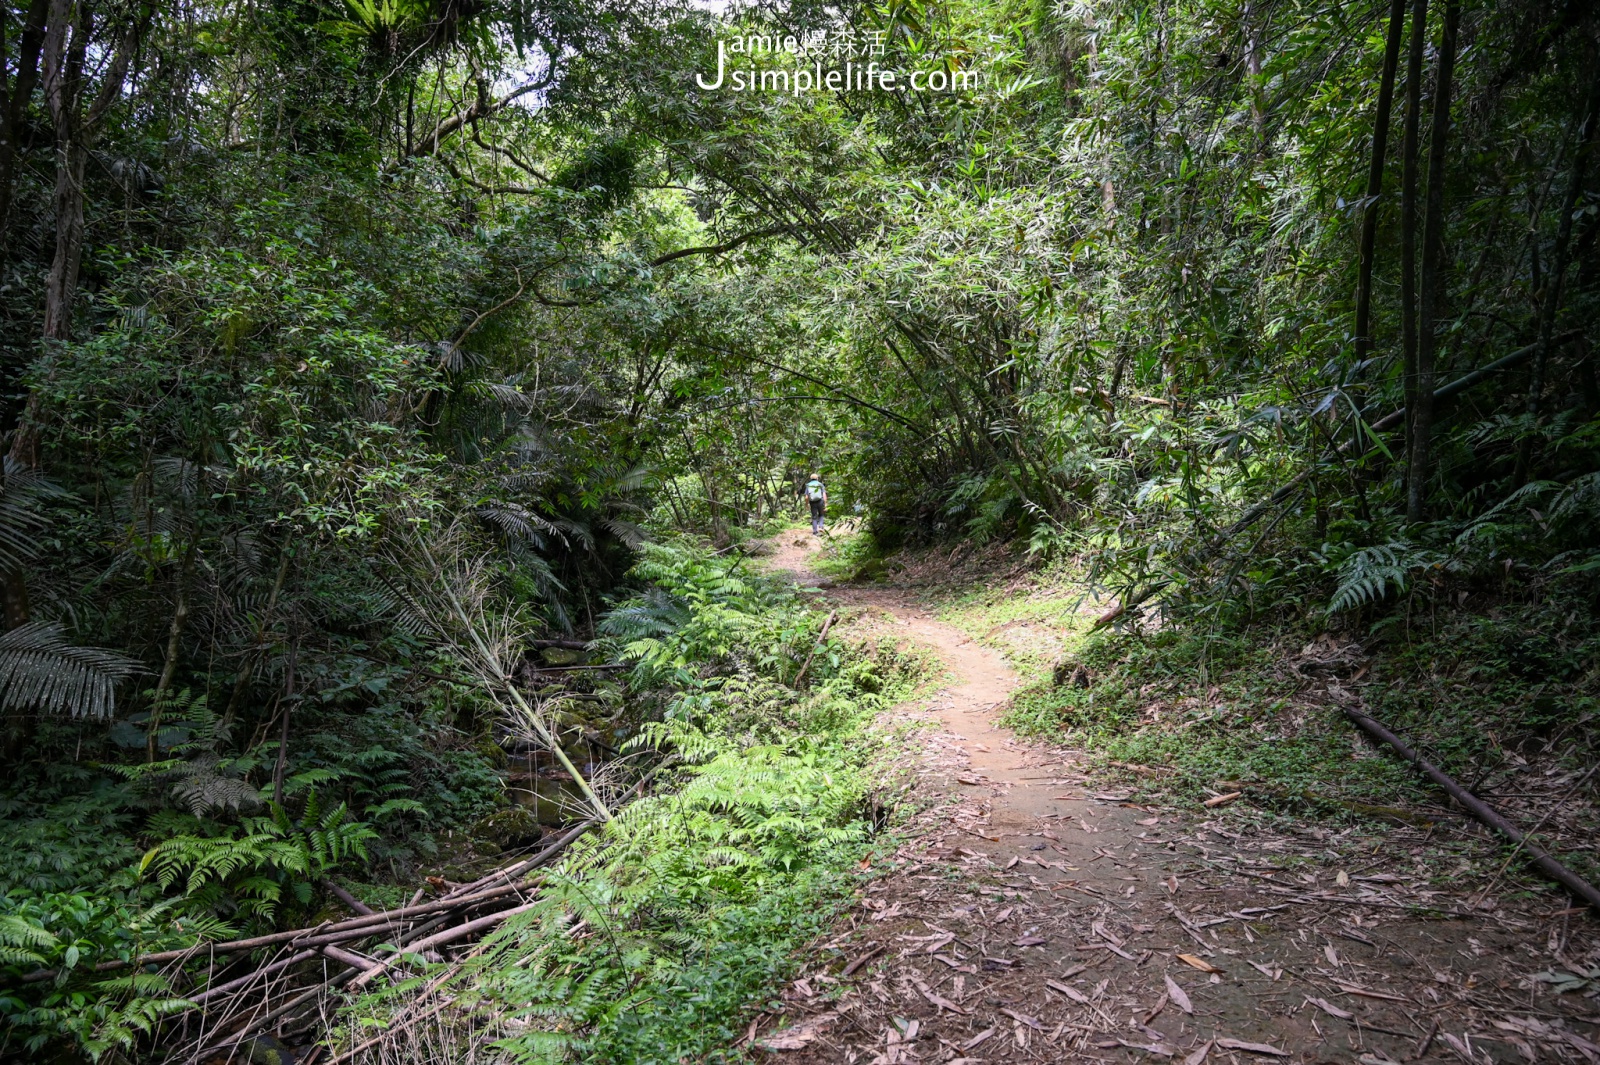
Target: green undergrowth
point(1183, 711)
point(1202, 710)
point(656, 938)
point(849, 555)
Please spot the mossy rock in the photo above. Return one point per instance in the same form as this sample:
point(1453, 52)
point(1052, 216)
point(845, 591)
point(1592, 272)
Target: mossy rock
point(515, 826)
point(561, 656)
point(874, 569)
point(549, 802)
point(491, 753)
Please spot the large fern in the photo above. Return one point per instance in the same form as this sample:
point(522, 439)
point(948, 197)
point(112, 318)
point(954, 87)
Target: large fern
point(41, 670)
point(1373, 573)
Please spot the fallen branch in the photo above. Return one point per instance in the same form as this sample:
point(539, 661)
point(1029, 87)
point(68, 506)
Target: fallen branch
point(348, 899)
point(449, 935)
point(821, 639)
point(1539, 857)
point(320, 935)
point(252, 976)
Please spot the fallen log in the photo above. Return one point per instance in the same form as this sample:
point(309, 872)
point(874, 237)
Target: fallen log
point(1538, 856)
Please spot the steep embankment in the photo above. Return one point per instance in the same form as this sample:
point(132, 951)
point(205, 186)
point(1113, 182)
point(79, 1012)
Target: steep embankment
point(1031, 915)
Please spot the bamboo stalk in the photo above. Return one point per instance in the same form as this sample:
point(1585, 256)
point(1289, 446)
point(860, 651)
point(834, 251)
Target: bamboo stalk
point(491, 663)
point(354, 928)
point(1538, 856)
point(449, 935)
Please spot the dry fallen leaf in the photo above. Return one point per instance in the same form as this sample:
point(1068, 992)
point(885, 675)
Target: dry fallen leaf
point(1031, 1022)
point(1155, 1011)
point(1199, 1055)
point(940, 1002)
point(1254, 1048)
point(1172, 885)
point(1343, 879)
point(1271, 974)
point(980, 1037)
point(1067, 989)
point(1329, 1008)
point(1149, 821)
point(800, 1035)
point(1199, 963)
point(1331, 954)
point(862, 960)
point(1158, 1049)
point(1351, 989)
point(1099, 929)
point(1179, 997)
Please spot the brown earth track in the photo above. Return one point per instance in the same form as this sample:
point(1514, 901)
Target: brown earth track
point(1031, 917)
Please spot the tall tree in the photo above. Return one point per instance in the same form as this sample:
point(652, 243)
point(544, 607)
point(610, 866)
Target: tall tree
point(1410, 145)
point(1369, 210)
point(1431, 307)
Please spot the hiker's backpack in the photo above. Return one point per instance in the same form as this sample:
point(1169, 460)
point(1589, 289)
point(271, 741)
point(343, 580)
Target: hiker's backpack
point(814, 491)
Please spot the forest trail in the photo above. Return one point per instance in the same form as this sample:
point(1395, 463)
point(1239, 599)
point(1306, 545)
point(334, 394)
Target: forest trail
point(1031, 916)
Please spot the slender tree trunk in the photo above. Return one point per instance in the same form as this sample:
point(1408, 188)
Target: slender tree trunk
point(1409, 142)
point(65, 46)
point(1550, 305)
point(169, 663)
point(1369, 210)
point(1252, 64)
point(1432, 303)
point(280, 768)
point(14, 100)
point(69, 30)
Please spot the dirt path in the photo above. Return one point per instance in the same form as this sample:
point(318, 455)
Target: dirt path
point(1030, 917)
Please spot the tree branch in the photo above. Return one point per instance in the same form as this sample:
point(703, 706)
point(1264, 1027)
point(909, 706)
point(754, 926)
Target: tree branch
point(891, 415)
point(718, 249)
point(482, 107)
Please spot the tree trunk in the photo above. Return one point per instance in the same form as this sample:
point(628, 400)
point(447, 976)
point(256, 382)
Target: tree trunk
point(169, 663)
point(1550, 306)
point(1432, 303)
point(1252, 65)
point(14, 99)
point(68, 32)
point(1408, 215)
point(280, 768)
point(1369, 210)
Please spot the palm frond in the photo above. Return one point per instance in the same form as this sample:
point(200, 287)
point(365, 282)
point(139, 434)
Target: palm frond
point(21, 491)
point(40, 670)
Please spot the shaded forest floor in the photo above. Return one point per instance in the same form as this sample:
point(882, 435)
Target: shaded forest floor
point(1034, 911)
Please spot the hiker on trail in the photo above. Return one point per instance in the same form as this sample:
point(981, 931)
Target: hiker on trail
point(816, 494)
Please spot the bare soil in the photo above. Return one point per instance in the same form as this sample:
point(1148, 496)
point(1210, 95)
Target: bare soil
point(1033, 915)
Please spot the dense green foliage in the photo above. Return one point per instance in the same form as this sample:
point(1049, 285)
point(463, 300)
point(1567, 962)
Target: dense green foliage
point(350, 346)
point(651, 942)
